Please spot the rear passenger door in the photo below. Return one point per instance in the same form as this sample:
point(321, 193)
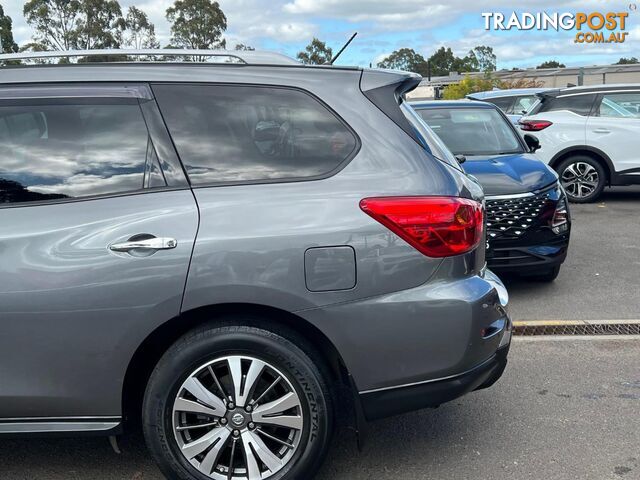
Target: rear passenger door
point(614, 127)
point(97, 225)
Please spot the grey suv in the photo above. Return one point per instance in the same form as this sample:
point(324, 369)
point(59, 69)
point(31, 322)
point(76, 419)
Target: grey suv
point(238, 254)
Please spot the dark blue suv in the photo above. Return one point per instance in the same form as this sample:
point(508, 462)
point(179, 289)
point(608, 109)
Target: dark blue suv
point(528, 222)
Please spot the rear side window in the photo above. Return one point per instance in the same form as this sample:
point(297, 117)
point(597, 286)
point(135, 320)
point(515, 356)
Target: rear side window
point(619, 105)
point(503, 103)
point(52, 151)
point(235, 134)
point(580, 104)
point(523, 104)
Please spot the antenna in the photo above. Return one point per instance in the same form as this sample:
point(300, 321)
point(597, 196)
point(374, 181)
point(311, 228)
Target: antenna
point(343, 48)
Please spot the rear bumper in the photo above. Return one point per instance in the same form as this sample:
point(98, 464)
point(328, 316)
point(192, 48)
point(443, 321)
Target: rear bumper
point(404, 399)
point(434, 331)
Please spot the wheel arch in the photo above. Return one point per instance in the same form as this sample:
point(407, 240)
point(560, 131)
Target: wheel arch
point(285, 323)
point(592, 152)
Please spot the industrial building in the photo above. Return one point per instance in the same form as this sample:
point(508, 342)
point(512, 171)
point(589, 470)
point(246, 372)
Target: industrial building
point(544, 77)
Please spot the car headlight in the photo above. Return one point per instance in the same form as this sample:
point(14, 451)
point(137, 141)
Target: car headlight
point(560, 219)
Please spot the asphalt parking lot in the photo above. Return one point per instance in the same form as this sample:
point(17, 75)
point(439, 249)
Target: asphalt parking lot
point(566, 408)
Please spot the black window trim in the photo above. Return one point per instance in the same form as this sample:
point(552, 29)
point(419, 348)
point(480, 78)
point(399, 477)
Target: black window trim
point(266, 181)
point(109, 93)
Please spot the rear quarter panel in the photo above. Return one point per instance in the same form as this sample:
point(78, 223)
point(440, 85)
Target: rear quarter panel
point(252, 238)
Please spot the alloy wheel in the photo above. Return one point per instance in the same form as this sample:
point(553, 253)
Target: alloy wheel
point(238, 417)
point(580, 179)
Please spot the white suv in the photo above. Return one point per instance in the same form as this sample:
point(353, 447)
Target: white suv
point(589, 135)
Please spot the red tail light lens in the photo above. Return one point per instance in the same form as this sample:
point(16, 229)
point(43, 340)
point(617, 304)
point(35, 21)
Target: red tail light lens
point(534, 125)
point(435, 226)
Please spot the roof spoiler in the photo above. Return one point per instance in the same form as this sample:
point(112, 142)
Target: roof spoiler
point(386, 90)
point(548, 93)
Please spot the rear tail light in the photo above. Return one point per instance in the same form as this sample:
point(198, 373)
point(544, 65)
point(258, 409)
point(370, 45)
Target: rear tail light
point(435, 226)
point(534, 125)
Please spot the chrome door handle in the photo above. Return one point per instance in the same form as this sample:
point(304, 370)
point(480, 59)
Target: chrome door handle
point(601, 130)
point(156, 243)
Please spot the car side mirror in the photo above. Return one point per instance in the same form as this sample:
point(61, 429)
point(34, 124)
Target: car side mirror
point(461, 159)
point(532, 142)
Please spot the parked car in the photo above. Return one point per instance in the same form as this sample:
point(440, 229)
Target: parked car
point(589, 136)
point(528, 220)
point(235, 255)
point(515, 102)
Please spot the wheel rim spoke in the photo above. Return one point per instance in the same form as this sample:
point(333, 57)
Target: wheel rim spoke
point(288, 421)
point(275, 439)
point(195, 448)
point(253, 470)
point(195, 388)
point(271, 387)
point(243, 385)
point(183, 405)
point(254, 444)
point(286, 402)
point(211, 458)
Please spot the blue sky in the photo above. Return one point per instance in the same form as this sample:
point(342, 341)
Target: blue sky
point(384, 26)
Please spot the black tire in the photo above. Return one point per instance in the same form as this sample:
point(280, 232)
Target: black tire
point(561, 168)
point(547, 276)
point(206, 344)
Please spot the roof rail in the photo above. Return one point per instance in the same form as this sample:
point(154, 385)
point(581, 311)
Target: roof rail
point(248, 57)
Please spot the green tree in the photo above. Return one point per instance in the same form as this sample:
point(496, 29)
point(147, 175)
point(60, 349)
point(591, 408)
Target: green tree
point(551, 64)
point(485, 59)
point(242, 46)
point(627, 61)
point(316, 53)
point(444, 61)
point(468, 85)
point(140, 32)
point(197, 24)
point(54, 23)
point(6, 33)
point(101, 25)
point(405, 59)
point(74, 24)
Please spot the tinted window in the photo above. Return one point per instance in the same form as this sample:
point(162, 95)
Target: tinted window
point(59, 151)
point(430, 141)
point(473, 131)
point(243, 133)
point(580, 104)
point(620, 105)
point(503, 103)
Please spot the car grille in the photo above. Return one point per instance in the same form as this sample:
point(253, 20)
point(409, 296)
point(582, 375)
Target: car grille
point(511, 217)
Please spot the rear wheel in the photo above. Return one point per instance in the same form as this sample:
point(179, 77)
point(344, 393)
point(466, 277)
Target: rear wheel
point(236, 403)
point(582, 177)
